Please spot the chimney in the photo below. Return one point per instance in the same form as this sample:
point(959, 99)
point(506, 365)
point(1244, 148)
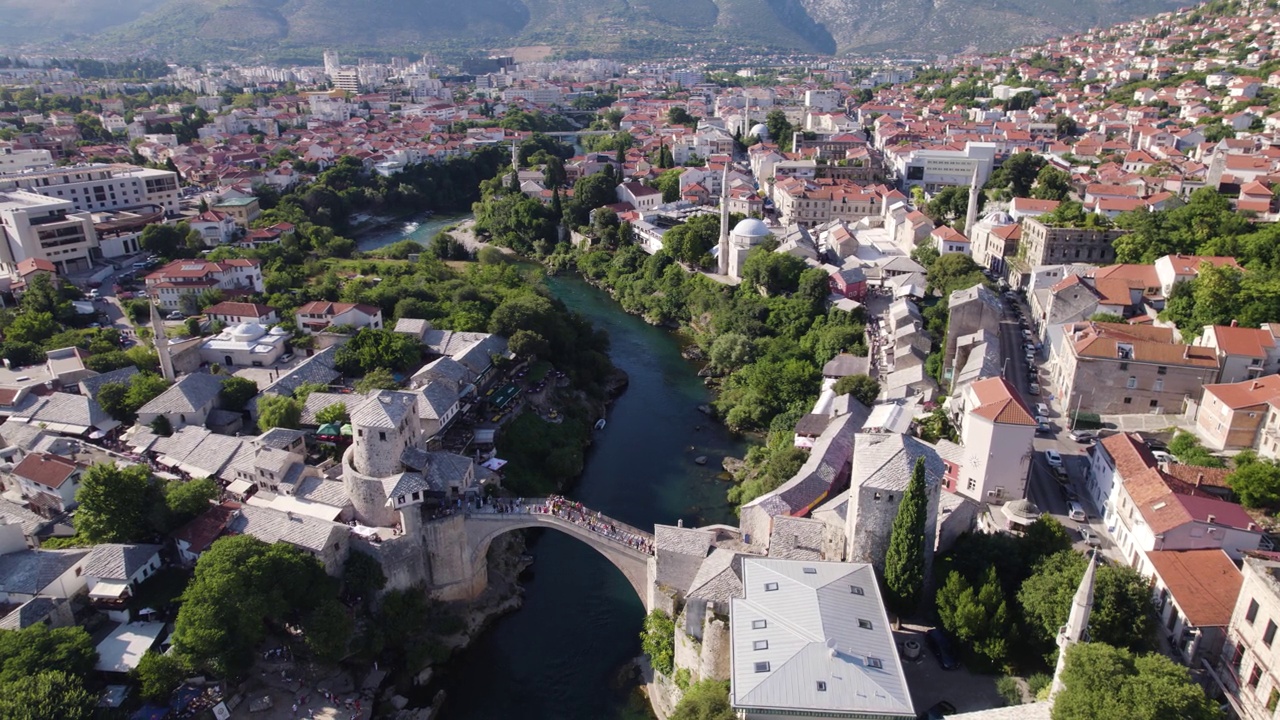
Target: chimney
point(1210, 519)
point(1234, 323)
point(1199, 479)
point(1255, 385)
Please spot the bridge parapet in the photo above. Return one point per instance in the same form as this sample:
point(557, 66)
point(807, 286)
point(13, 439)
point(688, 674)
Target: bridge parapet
point(575, 514)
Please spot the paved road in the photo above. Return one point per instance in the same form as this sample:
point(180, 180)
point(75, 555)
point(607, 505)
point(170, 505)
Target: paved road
point(1043, 487)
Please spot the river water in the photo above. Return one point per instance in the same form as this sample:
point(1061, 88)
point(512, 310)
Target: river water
point(420, 231)
point(560, 656)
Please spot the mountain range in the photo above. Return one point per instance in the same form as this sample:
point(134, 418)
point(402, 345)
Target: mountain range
point(280, 29)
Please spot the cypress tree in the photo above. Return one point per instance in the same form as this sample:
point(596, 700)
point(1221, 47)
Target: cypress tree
point(904, 562)
point(557, 209)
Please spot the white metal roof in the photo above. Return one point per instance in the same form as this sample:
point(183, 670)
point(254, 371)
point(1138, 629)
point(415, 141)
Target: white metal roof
point(805, 638)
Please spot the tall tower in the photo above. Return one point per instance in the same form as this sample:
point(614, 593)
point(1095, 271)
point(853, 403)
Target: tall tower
point(161, 343)
point(515, 158)
point(724, 222)
point(1077, 622)
point(971, 215)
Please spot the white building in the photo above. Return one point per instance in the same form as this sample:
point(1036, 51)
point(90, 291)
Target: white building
point(812, 639)
point(15, 160)
point(99, 186)
point(33, 226)
point(995, 470)
point(245, 345)
point(935, 169)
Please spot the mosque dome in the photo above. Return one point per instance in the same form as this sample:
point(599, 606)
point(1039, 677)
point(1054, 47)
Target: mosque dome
point(759, 130)
point(752, 228)
point(247, 331)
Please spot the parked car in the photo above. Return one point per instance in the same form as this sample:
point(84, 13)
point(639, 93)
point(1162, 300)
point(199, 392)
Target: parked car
point(1075, 511)
point(175, 315)
point(941, 646)
point(937, 711)
point(1043, 428)
point(1042, 409)
point(1082, 436)
point(1068, 493)
point(287, 357)
point(1163, 457)
point(1053, 457)
point(1033, 388)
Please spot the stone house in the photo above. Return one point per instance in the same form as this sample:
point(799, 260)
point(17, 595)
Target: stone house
point(1248, 671)
point(1245, 353)
point(186, 402)
point(882, 467)
point(1236, 416)
point(1116, 368)
point(48, 482)
point(1195, 591)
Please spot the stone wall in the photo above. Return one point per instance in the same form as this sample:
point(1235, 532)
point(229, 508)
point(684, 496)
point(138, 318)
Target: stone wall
point(715, 662)
point(454, 575)
point(367, 495)
point(402, 559)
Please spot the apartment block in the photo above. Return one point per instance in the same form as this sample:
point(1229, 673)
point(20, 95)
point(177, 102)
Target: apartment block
point(95, 187)
point(35, 227)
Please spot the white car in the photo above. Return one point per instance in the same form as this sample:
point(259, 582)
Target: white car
point(1075, 511)
point(1053, 458)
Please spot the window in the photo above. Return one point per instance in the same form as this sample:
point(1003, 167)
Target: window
point(1128, 401)
point(856, 590)
point(1154, 403)
point(1159, 384)
point(759, 624)
point(1273, 699)
point(762, 667)
point(1252, 613)
point(864, 624)
point(1270, 634)
point(822, 687)
point(874, 662)
point(1124, 366)
point(382, 436)
point(770, 587)
point(1162, 370)
point(810, 571)
point(760, 645)
point(1255, 676)
point(1132, 383)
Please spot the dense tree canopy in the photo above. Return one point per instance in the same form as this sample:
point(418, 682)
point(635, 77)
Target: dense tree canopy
point(864, 388)
point(1102, 682)
point(1121, 614)
point(904, 561)
point(279, 411)
point(372, 349)
point(114, 503)
point(705, 700)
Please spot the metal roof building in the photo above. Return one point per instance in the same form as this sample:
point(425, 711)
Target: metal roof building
point(812, 638)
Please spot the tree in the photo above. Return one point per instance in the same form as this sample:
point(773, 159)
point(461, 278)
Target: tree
point(122, 401)
point(955, 271)
point(335, 413)
point(904, 561)
point(42, 296)
point(1121, 613)
point(680, 116)
point(1187, 448)
point(362, 578)
point(1020, 171)
point(528, 344)
point(1101, 682)
point(772, 272)
point(373, 349)
point(1051, 184)
point(166, 241)
point(780, 128)
point(377, 379)
point(691, 242)
point(30, 327)
point(113, 503)
point(236, 393)
point(186, 500)
point(159, 674)
point(1256, 483)
point(658, 641)
point(279, 411)
point(161, 426)
point(864, 388)
point(1104, 317)
point(47, 695)
point(730, 351)
point(329, 628)
point(977, 616)
point(705, 700)
point(669, 183)
point(241, 585)
point(26, 652)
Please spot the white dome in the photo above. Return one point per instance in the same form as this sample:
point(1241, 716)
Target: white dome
point(751, 227)
point(247, 331)
point(759, 130)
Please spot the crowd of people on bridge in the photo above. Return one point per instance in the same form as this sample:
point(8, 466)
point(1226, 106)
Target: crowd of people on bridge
point(572, 511)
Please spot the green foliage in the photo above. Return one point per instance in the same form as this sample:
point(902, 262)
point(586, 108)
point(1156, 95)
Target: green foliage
point(377, 379)
point(1051, 184)
point(864, 388)
point(1121, 614)
point(543, 456)
point(1187, 448)
point(1104, 317)
point(29, 327)
point(977, 616)
point(770, 465)
point(691, 242)
point(682, 677)
point(279, 411)
point(158, 675)
point(186, 500)
point(236, 393)
point(372, 349)
point(122, 401)
point(335, 413)
point(241, 586)
point(1017, 174)
point(161, 426)
point(705, 700)
point(904, 560)
point(362, 578)
point(49, 694)
point(781, 130)
point(1256, 483)
point(1009, 690)
point(658, 641)
point(113, 503)
point(27, 652)
point(955, 271)
point(772, 272)
point(937, 426)
point(1102, 682)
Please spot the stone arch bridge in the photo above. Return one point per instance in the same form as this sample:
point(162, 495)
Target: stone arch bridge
point(459, 568)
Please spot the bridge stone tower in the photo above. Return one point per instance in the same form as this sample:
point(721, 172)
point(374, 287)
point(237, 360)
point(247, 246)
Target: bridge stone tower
point(385, 425)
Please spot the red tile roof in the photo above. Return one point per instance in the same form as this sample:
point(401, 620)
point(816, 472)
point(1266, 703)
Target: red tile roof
point(1204, 583)
point(44, 469)
point(240, 309)
point(1240, 341)
point(1000, 403)
point(1247, 392)
point(200, 533)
